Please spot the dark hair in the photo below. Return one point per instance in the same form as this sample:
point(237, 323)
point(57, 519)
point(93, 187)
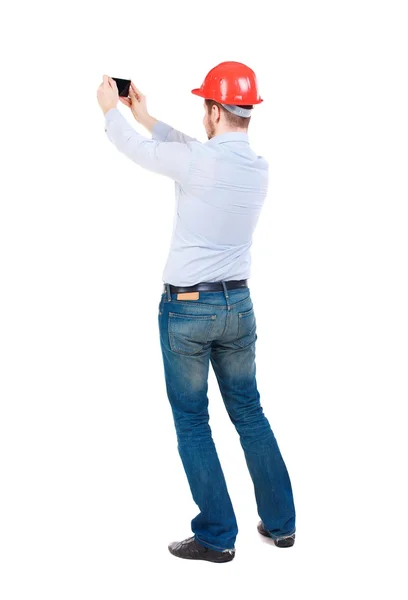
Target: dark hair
point(232, 120)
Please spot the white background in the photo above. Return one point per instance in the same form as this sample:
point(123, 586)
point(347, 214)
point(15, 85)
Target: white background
point(92, 485)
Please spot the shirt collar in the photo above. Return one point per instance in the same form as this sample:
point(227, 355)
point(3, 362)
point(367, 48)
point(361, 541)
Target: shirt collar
point(230, 136)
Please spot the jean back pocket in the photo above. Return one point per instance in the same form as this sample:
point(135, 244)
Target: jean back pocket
point(246, 329)
point(189, 333)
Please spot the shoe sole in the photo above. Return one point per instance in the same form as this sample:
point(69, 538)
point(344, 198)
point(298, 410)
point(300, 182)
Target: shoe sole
point(218, 560)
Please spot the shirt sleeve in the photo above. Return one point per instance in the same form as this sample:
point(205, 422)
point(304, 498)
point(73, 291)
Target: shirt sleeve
point(164, 133)
point(171, 159)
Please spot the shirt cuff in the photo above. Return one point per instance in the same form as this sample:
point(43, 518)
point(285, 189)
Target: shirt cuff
point(111, 114)
point(160, 131)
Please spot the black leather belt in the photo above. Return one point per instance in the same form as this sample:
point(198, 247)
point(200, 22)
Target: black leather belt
point(209, 286)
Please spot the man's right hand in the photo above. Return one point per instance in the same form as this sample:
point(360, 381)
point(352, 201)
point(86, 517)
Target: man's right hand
point(138, 105)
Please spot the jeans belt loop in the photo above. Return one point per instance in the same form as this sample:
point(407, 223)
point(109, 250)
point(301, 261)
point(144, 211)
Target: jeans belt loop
point(226, 294)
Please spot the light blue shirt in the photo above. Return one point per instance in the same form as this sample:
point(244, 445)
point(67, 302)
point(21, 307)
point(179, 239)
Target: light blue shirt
point(220, 187)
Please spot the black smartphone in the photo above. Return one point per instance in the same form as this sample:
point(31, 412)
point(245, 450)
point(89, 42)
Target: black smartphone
point(123, 86)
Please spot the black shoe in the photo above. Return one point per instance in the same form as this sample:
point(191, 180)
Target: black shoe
point(193, 550)
point(284, 542)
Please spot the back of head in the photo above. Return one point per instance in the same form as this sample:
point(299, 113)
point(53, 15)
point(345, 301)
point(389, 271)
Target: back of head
point(232, 120)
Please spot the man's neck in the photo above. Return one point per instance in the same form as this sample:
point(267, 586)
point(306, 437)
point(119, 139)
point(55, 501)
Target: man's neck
point(222, 129)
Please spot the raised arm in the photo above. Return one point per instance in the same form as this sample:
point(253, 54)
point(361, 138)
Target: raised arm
point(170, 159)
point(160, 131)
point(164, 133)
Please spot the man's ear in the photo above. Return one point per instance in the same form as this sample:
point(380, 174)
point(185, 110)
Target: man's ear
point(216, 112)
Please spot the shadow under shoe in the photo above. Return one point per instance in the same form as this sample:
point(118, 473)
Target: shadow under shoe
point(193, 550)
point(284, 542)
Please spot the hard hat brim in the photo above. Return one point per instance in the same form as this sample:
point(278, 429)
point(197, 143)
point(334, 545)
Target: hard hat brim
point(198, 92)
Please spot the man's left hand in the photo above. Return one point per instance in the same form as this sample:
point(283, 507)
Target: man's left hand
point(108, 94)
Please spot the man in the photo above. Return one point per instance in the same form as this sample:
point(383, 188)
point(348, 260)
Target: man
point(206, 312)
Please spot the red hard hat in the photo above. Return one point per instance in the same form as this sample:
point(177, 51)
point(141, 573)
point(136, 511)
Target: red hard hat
point(230, 83)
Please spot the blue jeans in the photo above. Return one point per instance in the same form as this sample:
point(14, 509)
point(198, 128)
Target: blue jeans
point(220, 328)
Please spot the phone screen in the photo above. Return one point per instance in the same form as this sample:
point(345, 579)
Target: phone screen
point(123, 86)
